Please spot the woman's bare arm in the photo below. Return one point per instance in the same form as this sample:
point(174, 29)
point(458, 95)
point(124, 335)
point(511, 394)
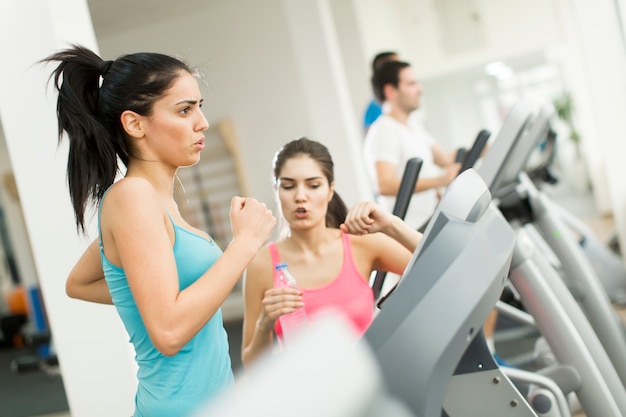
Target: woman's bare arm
point(367, 217)
point(140, 240)
point(86, 280)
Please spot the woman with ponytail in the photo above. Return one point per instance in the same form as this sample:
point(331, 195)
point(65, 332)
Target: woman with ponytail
point(166, 279)
point(331, 252)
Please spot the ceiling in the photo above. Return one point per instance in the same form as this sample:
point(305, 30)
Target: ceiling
point(109, 16)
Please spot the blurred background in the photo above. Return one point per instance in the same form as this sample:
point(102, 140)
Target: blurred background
point(274, 70)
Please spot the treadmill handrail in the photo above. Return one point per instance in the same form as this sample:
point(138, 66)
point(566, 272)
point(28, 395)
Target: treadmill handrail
point(476, 150)
point(405, 192)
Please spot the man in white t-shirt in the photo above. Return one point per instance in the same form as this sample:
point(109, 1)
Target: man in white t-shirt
point(395, 137)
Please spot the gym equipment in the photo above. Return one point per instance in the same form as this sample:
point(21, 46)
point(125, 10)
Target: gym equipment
point(541, 289)
point(462, 261)
point(566, 329)
point(402, 365)
point(343, 376)
point(27, 328)
point(474, 153)
point(605, 261)
point(407, 185)
point(522, 203)
point(547, 388)
point(607, 264)
point(402, 331)
point(501, 165)
point(468, 158)
point(460, 155)
point(405, 192)
point(431, 370)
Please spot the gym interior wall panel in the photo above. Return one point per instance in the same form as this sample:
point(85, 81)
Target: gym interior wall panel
point(244, 50)
point(356, 64)
point(317, 50)
point(89, 339)
point(497, 29)
point(604, 65)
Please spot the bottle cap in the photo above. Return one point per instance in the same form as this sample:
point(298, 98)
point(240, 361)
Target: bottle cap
point(280, 265)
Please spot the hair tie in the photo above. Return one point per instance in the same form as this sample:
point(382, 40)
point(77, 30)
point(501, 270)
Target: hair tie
point(104, 67)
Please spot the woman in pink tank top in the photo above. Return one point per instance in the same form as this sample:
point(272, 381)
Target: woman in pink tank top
point(331, 252)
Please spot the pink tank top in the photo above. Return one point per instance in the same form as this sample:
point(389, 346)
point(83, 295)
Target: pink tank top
point(348, 292)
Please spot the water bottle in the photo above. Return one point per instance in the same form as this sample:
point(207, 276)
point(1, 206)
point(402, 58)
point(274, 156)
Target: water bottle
point(291, 323)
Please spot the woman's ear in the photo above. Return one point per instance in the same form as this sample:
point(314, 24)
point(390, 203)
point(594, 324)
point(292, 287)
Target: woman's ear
point(131, 122)
point(331, 191)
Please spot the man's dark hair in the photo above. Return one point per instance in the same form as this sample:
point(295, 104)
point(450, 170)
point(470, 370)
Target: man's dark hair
point(383, 57)
point(378, 62)
point(388, 73)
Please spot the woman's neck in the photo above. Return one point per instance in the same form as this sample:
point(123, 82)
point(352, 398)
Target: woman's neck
point(310, 240)
point(161, 178)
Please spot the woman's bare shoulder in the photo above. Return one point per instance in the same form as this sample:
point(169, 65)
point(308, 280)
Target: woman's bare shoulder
point(131, 192)
point(133, 202)
point(130, 186)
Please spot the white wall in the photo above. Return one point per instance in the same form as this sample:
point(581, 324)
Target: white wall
point(355, 61)
point(247, 51)
point(563, 33)
point(379, 29)
point(505, 28)
point(430, 35)
point(91, 344)
point(602, 96)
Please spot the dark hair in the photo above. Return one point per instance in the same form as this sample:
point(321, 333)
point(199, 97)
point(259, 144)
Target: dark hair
point(381, 58)
point(378, 62)
point(388, 73)
point(337, 210)
point(92, 96)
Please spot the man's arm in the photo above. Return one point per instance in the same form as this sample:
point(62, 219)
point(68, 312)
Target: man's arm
point(441, 156)
point(389, 182)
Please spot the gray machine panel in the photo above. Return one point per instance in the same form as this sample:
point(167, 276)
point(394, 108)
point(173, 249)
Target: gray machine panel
point(494, 168)
point(453, 281)
point(536, 129)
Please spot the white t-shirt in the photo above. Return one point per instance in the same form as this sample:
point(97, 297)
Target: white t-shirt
point(391, 141)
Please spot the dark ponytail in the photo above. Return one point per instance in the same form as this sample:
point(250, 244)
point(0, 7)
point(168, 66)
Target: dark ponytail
point(92, 95)
point(337, 210)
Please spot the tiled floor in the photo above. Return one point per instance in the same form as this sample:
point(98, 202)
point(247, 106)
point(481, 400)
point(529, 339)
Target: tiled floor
point(66, 414)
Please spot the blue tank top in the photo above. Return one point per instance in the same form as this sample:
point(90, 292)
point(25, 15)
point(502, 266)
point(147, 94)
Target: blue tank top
point(175, 385)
